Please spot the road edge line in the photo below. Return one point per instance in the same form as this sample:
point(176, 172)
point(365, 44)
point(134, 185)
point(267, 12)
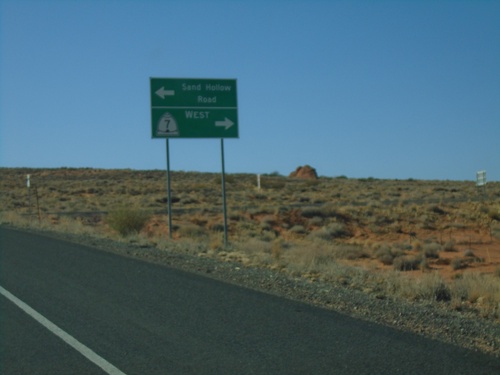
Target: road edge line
point(66, 337)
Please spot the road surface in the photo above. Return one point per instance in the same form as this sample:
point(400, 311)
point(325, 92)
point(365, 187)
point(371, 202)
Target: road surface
point(70, 309)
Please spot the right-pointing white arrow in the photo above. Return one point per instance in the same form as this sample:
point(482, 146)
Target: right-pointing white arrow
point(227, 123)
point(162, 92)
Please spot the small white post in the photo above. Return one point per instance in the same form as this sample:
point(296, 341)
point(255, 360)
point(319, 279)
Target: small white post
point(29, 195)
point(258, 181)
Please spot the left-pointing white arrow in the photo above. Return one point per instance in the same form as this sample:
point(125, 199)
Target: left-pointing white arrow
point(227, 123)
point(162, 92)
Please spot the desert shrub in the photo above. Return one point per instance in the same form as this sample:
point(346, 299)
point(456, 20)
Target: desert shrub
point(260, 251)
point(497, 272)
point(255, 246)
point(385, 257)
point(333, 212)
point(215, 226)
point(236, 216)
point(430, 287)
point(407, 263)
point(336, 230)
point(494, 213)
point(434, 288)
point(437, 210)
point(330, 232)
point(313, 258)
point(449, 246)
point(426, 222)
point(316, 220)
point(277, 248)
point(417, 245)
point(495, 232)
point(188, 200)
point(127, 220)
point(459, 264)
point(325, 211)
point(386, 254)
point(469, 253)
point(443, 261)
point(13, 218)
point(349, 252)
point(272, 183)
point(192, 231)
point(311, 212)
point(298, 229)
point(431, 250)
point(481, 290)
point(269, 219)
point(267, 236)
point(265, 225)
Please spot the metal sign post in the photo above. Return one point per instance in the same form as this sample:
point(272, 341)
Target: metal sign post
point(224, 208)
point(169, 200)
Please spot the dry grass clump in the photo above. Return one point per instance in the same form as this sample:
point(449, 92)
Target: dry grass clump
point(298, 229)
point(63, 224)
point(259, 252)
point(494, 213)
point(386, 254)
point(463, 262)
point(483, 291)
point(429, 287)
point(407, 262)
point(449, 246)
point(326, 211)
point(459, 264)
point(330, 232)
point(14, 218)
point(192, 231)
point(350, 252)
point(431, 250)
point(308, 258)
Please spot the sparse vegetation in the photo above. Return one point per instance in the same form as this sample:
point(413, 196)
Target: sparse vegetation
point(433, 241)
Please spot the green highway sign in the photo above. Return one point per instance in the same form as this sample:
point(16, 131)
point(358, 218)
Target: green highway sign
point(193, 108)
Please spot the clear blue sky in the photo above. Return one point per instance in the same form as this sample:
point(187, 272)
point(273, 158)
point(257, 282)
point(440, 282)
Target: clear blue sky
point(384, 89)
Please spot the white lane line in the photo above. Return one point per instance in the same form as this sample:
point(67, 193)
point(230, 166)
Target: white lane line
point(70, 340)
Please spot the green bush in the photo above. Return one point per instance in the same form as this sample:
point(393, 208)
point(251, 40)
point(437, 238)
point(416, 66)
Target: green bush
point(127, 220)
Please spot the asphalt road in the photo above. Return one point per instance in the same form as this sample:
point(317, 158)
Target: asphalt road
point(143, 318)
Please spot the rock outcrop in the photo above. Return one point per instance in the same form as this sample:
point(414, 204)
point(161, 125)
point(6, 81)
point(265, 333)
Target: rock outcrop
point(306, 172)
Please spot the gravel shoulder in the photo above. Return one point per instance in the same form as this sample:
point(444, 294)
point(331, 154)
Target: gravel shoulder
point(430, 320)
